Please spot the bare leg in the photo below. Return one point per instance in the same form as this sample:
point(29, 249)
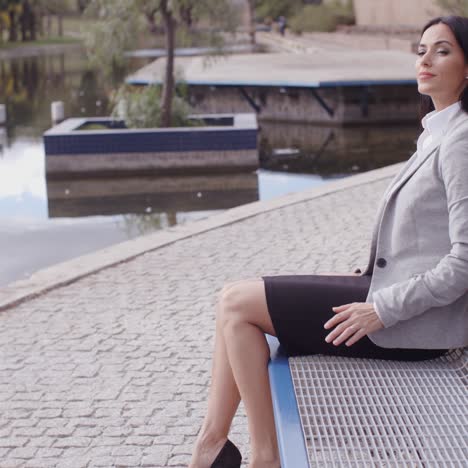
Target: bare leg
point(245, 319)
point(240, 362)
point(223, 401)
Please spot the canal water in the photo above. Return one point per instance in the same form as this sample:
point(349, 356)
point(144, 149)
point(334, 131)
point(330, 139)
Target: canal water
point(43, 222)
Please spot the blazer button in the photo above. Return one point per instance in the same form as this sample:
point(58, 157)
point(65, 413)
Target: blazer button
point(381, 262)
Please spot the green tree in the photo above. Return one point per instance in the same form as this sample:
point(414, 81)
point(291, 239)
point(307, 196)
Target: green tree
point(120, 21)
point(274, 8)
point(11, 11)
point(456, 7)
point(23, 18)
point(139, 108)
point(57, 8)
point(81, 5)
point(323, 17)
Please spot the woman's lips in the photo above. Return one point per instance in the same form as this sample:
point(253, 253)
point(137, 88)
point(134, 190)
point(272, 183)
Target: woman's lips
point(425, 76)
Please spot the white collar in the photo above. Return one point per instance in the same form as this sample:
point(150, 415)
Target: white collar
point(436, 122)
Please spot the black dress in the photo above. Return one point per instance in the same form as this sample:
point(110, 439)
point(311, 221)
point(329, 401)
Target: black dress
point(299, 306)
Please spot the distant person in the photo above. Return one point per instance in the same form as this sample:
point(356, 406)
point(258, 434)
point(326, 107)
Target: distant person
point(282, 25)
point(409, 303)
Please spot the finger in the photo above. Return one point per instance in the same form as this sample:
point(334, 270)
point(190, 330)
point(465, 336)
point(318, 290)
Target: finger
point(356, 337)
point(349, 331)
point(335, 320)
point(341, 308)
point(337, 331)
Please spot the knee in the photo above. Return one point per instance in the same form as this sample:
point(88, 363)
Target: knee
point(232, 302)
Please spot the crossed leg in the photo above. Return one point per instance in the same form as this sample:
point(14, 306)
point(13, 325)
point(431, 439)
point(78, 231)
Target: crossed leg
point(240, 370)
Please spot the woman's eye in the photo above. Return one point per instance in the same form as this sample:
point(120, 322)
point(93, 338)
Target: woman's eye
point(443, 52)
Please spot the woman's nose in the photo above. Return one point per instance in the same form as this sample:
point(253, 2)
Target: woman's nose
point(426, 59)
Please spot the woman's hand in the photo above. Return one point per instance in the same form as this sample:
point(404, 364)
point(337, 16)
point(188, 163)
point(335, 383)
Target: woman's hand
point(352, 322)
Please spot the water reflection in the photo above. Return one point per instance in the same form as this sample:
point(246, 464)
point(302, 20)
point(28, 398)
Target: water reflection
point(23, 194)
point(310, 149)
point(143, 195)
point(28, 85)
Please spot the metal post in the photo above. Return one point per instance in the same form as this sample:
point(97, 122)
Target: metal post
point(3, 139)
point(3, 114)
point(57, 112)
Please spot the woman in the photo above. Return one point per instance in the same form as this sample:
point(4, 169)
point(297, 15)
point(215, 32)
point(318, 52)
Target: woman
point(409, 303)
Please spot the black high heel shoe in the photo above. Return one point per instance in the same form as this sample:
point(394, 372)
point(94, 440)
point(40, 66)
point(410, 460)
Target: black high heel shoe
point(228, 457)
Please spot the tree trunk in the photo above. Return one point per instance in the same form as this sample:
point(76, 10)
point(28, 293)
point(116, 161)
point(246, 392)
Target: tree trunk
point(23, 30)
point(171, 218)
point(252, 28)
point(168, 86)
point(40, 23)
point(60, 24)
point(33, 26)
point(151, 18)
point(49, 24)
point(23, 21)
point(27, 21)
point(81, 5)
point(13, 35)
point(187, 15)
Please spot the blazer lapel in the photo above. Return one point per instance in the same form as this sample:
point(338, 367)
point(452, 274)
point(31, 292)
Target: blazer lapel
point(401, 179)
point(412, 165)
point(419, 159)
point(404, 169)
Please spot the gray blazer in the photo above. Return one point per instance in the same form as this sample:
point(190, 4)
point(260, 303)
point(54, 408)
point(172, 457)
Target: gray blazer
point(419, 249)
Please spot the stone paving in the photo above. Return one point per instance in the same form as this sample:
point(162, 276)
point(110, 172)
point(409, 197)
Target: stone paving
point(112, 370)
point(311, 42)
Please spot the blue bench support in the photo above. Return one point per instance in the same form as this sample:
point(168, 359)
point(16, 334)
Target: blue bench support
point(291, 442)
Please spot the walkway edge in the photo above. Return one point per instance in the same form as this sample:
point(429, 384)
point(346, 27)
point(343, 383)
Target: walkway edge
point(70, 271)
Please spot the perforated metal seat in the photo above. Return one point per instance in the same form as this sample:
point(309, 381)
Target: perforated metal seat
point(365, 412)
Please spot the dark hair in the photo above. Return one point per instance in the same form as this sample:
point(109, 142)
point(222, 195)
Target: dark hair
point(459, 27)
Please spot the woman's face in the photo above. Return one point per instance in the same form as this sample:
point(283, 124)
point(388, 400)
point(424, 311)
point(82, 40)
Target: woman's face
point(440, 67)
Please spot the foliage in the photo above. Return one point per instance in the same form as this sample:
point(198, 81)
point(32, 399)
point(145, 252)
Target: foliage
point(22, 19)
point(137, 224)
point(322, 17)
point(275, 8)
point(38, 42)
point(93, 126)
point(344, 12)
point(122, 21)
point(141, 107)
point(456, 7)
point(56, 6)
point(113, 33)
point(313, 18)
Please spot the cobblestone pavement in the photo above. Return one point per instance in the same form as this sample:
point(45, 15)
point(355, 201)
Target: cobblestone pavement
point(113, 369)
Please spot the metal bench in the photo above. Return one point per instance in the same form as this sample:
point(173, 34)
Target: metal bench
point(342, 412)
